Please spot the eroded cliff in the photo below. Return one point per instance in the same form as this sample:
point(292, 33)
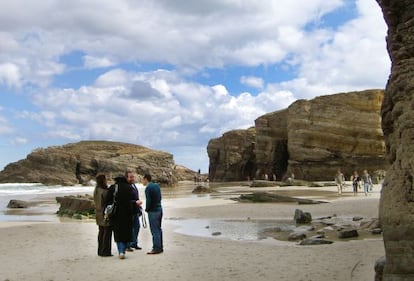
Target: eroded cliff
point(336, 131)
point(232, 156)
point(310, 139)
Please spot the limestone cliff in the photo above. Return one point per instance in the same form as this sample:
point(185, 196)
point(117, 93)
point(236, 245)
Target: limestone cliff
point(77, 163)
point(232, 156)
point(335, 131)
point(311, 139)
point(397, 196)
point(272, 145)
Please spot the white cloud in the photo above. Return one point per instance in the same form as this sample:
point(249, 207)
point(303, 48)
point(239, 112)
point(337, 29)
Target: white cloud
point(176, 114)
point(97, 62)
point(165, 108)
point(255, 82)
point(352, 58)
point(9, 75)
point(213, 34)
point(115, 77)
point(248, 32)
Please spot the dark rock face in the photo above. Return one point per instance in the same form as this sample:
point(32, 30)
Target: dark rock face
point(310, 139)
point(302, 217)
point(314, 241)
point(232, 156)
point(272, 145)
point(379, 268)
point(78, 163)
point(348, 233)
point(397, 197)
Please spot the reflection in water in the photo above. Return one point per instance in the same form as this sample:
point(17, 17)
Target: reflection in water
point(243, 230)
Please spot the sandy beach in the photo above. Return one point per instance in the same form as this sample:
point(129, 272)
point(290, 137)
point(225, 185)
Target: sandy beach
point(67, 250)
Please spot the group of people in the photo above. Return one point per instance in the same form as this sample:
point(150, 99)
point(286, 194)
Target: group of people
point(357, 181)
point(125, 223)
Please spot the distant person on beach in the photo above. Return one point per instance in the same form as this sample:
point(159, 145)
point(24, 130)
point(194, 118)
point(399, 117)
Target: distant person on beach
point(339, 180)
point(154, 209)
point(367, 181)
point(122, 221)
point(100, 195)
point(355, 182)
point(137, 211)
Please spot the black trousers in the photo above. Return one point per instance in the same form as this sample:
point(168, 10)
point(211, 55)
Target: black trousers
point(104, 240)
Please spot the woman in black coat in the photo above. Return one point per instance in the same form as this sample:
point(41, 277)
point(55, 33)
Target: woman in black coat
point(122, 220)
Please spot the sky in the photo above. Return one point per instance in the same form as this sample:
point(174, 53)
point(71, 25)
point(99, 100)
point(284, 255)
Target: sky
point(171, 75)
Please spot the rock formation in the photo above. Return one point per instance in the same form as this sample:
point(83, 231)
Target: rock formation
point(18, 204)
point(79, 163)
point(335, 131)
point(271, 145)
point(310, 139)
point(397, 196)
point(76, 206)
point(232, 155)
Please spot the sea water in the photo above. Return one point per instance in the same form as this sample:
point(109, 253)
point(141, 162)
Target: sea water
point(44, 197)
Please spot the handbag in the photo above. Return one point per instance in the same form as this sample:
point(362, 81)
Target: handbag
point(110, 210)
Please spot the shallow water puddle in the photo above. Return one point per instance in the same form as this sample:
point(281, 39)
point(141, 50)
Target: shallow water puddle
point(255, 230)
point(241, 230)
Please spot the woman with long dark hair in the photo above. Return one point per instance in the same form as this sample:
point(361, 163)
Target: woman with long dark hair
point(100, 196)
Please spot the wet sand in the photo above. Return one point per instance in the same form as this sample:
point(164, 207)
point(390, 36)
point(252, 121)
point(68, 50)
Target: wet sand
point(67, 250)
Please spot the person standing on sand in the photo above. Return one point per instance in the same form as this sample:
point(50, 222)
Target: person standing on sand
point(122, 220)
point(339, 180)
point(355, 182)
point(154, 209)
point(367, 181)
point(100, 195)
point(137, 212)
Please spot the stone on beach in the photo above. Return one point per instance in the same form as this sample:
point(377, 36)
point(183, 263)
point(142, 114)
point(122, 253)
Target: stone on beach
point(201, 189)
point(314, 241)
point(302, 217)
point(348, 233)
point(17, 204)
point(72, 205)
point(261, 197)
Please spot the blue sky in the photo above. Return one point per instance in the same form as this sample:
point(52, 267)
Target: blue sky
point(171, 75)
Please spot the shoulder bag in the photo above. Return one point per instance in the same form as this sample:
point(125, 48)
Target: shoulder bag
point(110, 210)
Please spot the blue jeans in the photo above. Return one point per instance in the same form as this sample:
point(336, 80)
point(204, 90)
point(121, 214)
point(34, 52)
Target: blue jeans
point(121, 247)
point(155, 219)
point(366, 187)
point(135, 231)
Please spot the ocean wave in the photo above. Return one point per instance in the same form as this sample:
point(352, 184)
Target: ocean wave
point(7, 189)
point(19, 184)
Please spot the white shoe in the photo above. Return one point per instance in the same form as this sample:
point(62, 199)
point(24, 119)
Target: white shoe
point(121, 256)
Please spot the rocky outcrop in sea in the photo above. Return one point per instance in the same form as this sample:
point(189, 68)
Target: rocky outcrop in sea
point(79, 163)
